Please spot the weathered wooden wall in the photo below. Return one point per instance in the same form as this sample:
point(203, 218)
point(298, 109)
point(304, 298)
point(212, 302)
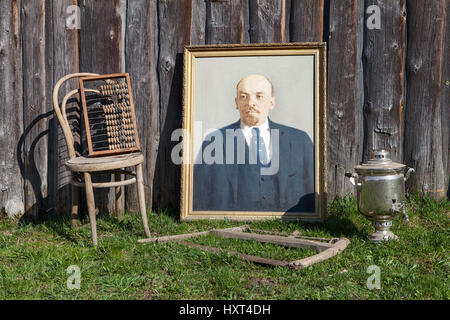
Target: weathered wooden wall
point(424, 98)
point(344, 86)
point(387, 87)
point(11, 110)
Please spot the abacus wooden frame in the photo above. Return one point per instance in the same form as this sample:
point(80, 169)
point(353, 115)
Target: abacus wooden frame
point(86, 119)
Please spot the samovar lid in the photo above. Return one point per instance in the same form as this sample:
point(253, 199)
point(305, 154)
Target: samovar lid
point(380, 162)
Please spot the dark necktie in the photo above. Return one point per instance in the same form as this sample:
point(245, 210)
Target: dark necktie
point(258, 143)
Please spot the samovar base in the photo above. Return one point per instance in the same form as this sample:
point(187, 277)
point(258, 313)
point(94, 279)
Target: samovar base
point(382, 232)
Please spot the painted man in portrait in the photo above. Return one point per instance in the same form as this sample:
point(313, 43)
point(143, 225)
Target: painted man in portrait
point(255, 164)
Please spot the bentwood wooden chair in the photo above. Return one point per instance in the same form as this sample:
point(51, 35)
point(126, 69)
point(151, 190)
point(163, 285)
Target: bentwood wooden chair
point(83, 168)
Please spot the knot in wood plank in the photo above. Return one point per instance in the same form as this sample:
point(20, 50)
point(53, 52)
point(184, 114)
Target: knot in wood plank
point(414, 66)
point(339, 113)
point(167, 64)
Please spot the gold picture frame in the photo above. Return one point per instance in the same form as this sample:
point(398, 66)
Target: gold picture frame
point(297, 73)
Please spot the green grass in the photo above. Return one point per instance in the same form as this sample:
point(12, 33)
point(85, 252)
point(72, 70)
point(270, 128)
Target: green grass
point(34, 257)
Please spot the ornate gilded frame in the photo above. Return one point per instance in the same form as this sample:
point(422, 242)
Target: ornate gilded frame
point(191, 54)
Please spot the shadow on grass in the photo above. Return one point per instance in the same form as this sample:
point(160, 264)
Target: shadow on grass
point(61, 225)
point(57, 224)
point(336, 227)
point(129, 223)
point(340, 222)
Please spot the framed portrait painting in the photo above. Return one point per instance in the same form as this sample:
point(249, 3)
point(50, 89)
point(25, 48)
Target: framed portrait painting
point(255, 128)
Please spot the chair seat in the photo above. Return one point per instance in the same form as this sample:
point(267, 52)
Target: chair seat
point(83, 164)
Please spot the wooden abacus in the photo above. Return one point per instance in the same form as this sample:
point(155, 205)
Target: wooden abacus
point(109, 114)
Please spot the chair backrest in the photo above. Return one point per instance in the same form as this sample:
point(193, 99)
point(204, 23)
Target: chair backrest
point(61, 112)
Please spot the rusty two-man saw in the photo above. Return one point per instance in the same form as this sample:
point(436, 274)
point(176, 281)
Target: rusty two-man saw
point(326, 248)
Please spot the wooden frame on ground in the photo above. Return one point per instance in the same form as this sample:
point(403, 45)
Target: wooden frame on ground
point(326, 248)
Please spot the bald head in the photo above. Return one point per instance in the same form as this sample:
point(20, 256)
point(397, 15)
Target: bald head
point(254, 99)
point(257, 77)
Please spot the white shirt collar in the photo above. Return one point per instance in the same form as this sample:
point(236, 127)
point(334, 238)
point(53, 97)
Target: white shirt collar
point(263, 127)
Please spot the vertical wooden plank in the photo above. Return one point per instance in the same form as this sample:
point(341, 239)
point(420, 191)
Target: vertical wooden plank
point(224, 22)
point(141, 58)
point(384, 60)
point(37, 59)
point(100, 42)
point(219, 22)
point(446, 102)
point(359, 84)
point(100, 36)
point(11, 111)
point(267, 21)
point(174, 18)
point(306, 20)
point(65, 61)
point(198, 22)
point(423, 113)
point(344, 99)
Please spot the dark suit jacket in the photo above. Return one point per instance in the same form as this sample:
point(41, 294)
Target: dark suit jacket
point(241, 187)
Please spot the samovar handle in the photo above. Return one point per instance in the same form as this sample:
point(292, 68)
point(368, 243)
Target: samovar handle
point(354, 179)
point(409, 170)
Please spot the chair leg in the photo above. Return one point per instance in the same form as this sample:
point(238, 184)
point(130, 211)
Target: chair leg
point(141, 196)
point(75, 219)
point(91, 206)
point(119, 197)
